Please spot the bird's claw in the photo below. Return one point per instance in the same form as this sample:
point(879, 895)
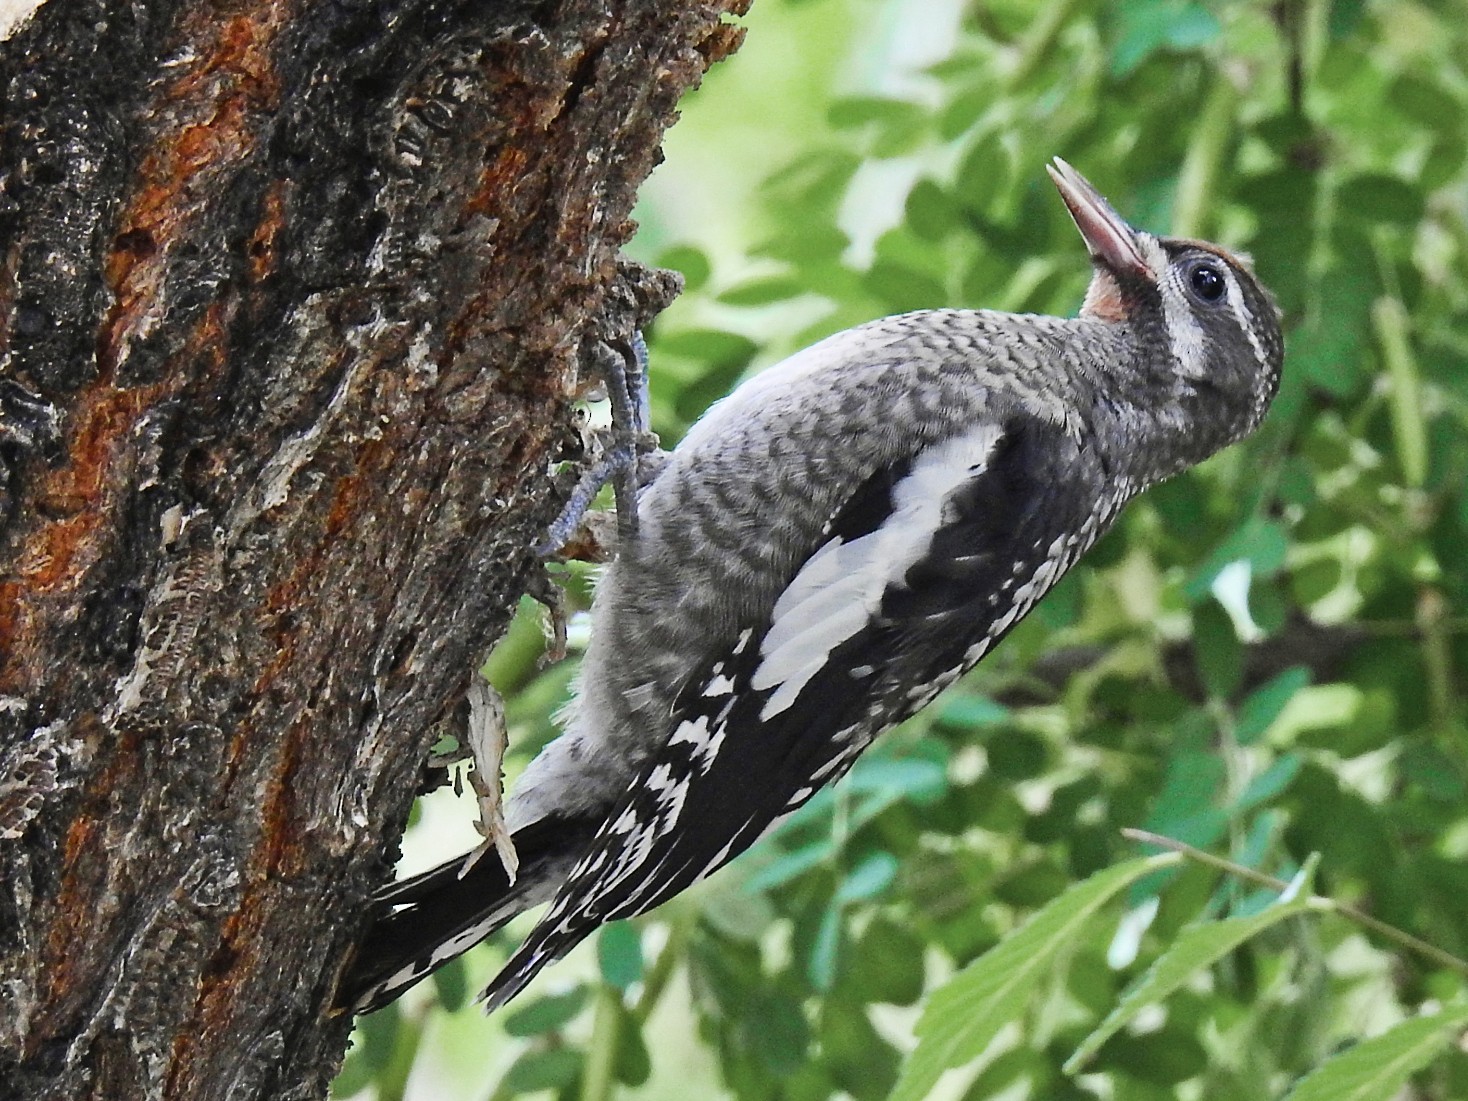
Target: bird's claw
point(487, 739)
point(628, 457)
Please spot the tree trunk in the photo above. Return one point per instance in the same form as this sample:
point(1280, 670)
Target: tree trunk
point(294, 298)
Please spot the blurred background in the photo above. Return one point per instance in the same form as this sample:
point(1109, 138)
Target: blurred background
point(1264, 659)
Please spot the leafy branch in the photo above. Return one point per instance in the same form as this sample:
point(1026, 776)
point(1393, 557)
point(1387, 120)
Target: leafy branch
point(1318, 903)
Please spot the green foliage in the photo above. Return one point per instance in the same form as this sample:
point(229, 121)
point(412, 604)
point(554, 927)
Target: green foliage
point(1376, 1069)
point(1196, 948)
point(1262, 660)
point(963, 1017)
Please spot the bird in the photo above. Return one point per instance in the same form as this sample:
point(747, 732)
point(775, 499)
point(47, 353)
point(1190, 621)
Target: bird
point(827, 549)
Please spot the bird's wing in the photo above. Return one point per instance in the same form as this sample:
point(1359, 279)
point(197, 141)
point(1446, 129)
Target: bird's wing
point(919, 573)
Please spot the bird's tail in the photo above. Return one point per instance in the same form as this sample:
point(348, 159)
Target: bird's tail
point(422, 923)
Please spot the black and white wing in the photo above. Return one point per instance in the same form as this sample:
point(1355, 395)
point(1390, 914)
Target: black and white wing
point(917, 576)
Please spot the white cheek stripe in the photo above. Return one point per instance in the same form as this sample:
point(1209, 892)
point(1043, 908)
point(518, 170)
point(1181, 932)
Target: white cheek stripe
point(1243, 316)
point(840, 588)
point(1186, 340)
point(1189, 347)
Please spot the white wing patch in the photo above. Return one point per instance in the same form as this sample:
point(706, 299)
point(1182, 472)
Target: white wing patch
point(840, 587)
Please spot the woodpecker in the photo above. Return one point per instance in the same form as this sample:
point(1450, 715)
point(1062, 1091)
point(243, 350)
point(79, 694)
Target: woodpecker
point(826, 550)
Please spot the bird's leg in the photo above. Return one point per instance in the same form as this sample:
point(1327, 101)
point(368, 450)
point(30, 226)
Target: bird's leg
point(628, 459)
point(542, 588)
point(487, 738)
point(628, 456)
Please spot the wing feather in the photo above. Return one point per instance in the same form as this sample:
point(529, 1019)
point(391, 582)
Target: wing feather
point(926, 569)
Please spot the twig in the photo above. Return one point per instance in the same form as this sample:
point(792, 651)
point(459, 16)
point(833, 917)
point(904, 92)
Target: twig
point(601, 1051)
point(1319, 902)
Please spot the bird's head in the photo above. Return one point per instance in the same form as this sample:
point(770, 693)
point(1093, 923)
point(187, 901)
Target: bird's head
point(1209, 331)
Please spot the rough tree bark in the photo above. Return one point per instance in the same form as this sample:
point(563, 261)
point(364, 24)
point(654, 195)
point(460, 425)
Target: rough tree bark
point(293, 295)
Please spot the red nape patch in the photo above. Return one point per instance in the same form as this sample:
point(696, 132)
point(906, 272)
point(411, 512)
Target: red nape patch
point(1103, 298)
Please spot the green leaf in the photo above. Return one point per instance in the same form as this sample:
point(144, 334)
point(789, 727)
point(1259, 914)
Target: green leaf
point(900, 288)
point(739, 914)
point(1330, 349)
point(1376, 1069)
point(856, 111)
point(690, 261)
point(815, 181)
point(1262, 706)
point(921, 779)
point(1316, 580)
point(1445, 159)
point(1375, 197)
point(825, 951)
point(1146, 26)
point(1195, 948)
point(962, 1018)
point(1192, 27)
point(761, 292)
point(547, 1014)
point(968, 712)
point(551, 1069)
point(1218, 652)
point(1017, 755)
point(451, 985)
point(963, 111)
point(779, 1034)
point(869, 878)
point(1270, 782)
point(619, 954)
point(899, 125)
point(1160, 1059)
point(1261, 543)
point(1345, 17)
point(790, 865)
point(1426, 103)
point(886, 965)
point(929, 211)
point(858, 1059)
point(806, 244)
point(1185, 807)
point(983, 174)
point(708, 346)
point(386, 1046)
point(633, 1063)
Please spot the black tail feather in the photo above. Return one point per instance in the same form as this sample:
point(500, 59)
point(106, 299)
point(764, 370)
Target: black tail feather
point(423, 922)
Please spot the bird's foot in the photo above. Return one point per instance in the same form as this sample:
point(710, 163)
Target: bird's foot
point(628, 459)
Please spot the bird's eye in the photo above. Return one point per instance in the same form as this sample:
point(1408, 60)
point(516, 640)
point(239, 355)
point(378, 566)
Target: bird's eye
point(1206, 281)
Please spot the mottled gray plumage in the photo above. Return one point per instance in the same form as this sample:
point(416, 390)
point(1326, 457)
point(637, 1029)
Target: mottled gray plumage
point(879, 509)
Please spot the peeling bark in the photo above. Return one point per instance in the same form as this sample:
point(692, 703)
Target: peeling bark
point(293, 298)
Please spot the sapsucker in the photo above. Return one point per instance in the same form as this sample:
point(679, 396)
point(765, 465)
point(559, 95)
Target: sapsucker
point(824, 552)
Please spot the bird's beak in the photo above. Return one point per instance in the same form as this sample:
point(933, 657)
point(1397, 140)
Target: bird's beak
point(1112, 242)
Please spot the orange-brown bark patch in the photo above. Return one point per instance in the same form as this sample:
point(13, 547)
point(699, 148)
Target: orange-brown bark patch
point(280, 842)
point(261, 247)
point(73, 495)
point(207, 122)
point(81, 902)
point(496, 179)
